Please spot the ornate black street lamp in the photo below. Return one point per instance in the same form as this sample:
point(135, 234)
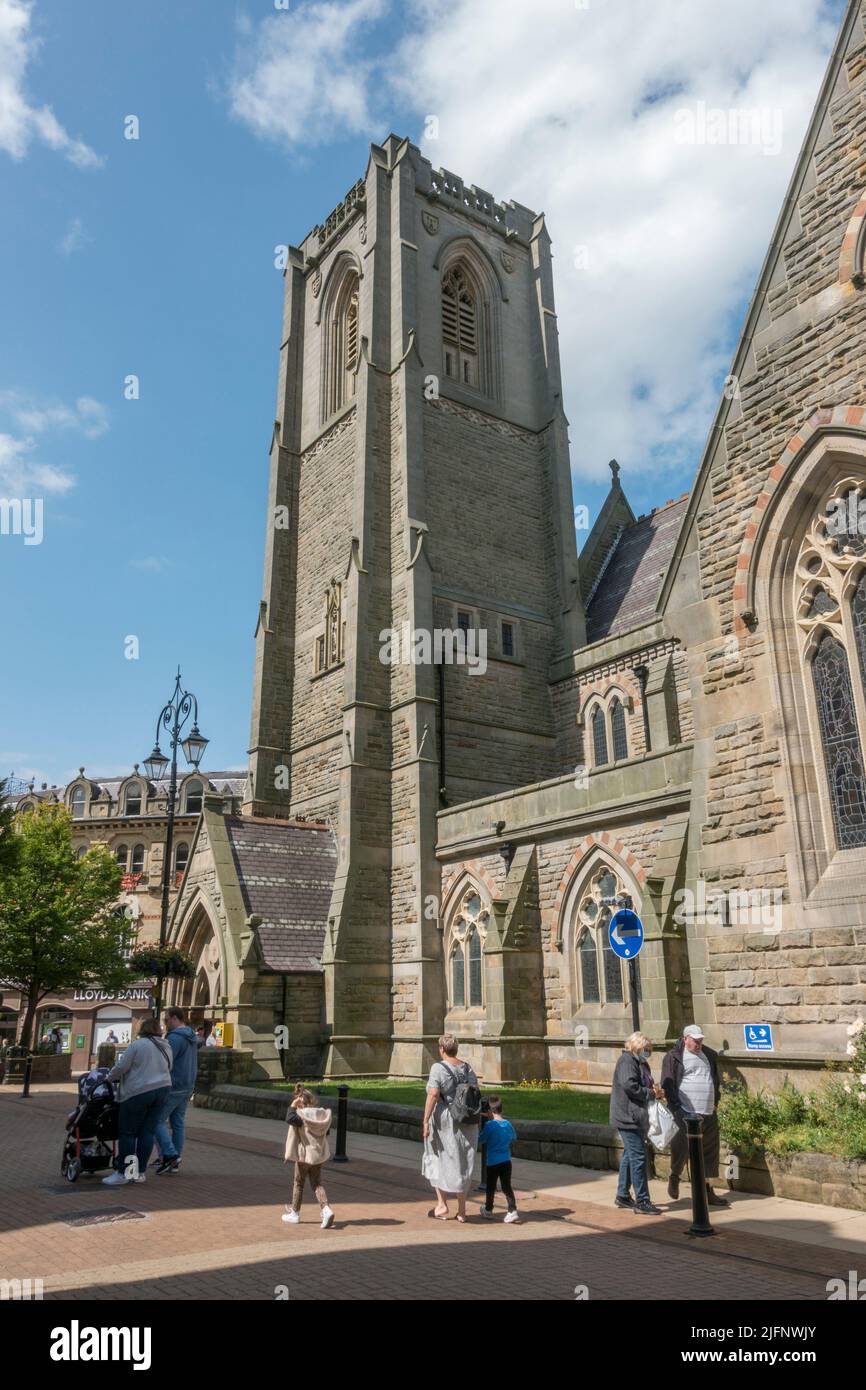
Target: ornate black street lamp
point(173, 716)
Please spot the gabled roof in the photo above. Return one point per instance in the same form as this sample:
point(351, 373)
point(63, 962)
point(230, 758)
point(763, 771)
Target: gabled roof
point(628, 590)
point(850, 33)
point(285, 871)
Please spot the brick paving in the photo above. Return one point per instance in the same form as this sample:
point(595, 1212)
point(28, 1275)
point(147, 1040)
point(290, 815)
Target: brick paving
point(214, 1232)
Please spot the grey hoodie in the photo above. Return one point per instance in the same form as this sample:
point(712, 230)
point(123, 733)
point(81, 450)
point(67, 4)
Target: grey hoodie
point(144, 1066)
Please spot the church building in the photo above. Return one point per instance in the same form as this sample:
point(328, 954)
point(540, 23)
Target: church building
point(469, 746)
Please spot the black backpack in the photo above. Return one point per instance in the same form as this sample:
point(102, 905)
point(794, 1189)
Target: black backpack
point(465, 1104)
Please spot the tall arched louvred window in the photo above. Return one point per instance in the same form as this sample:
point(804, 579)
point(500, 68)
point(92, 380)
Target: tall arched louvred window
point(344, 345)
point(460, 327)
point(599, 737)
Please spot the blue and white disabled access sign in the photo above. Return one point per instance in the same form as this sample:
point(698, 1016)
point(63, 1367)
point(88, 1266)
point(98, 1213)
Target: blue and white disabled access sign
point(625, 933)
point(758, 1036)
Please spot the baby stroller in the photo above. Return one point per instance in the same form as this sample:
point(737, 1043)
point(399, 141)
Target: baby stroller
point(91, 1129)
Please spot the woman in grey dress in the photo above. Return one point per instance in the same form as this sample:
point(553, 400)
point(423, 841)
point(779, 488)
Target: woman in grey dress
point(449, 1148)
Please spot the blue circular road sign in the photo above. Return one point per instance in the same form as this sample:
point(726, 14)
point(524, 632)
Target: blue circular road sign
point(625, 933)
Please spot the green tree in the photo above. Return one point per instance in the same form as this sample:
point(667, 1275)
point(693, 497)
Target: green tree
point(59, 922)
point(7, 825)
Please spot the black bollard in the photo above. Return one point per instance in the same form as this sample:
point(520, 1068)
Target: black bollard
point(700, 1207)
point(28, 1072)
point(342, 1124)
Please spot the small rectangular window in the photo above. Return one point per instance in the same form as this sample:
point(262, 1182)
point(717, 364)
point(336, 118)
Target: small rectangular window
point(320, 654)
point(464, 621)
point(449, 364)
point(508, 639)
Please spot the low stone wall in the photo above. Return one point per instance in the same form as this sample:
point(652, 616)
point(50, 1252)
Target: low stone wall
point(47, 1067)
point(821, 1178)
point(222, 1066)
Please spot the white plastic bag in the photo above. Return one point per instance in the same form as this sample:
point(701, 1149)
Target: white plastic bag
point(662, 1125)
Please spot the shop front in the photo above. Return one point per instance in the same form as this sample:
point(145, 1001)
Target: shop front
point(76, 1022)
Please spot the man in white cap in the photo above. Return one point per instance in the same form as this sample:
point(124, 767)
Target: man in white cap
point(692, 1085)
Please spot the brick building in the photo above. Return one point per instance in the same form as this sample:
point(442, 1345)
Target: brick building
point(678, 717)
point(128, 815)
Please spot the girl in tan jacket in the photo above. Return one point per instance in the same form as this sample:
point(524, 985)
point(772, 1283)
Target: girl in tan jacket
point(307, 1144)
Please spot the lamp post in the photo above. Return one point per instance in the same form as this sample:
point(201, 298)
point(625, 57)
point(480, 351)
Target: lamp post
point(173, 716)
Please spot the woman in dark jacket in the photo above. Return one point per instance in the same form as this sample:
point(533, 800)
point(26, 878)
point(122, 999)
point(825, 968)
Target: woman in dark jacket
point(633, 1089)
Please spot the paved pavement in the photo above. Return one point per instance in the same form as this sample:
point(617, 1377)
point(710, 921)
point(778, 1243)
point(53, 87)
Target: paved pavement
point(214, 1230)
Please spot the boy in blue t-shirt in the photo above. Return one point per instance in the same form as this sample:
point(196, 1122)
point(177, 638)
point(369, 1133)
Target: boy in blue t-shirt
point(497, 1136)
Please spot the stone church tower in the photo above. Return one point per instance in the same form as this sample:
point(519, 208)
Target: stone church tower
point(419, 480)
point(681, 719)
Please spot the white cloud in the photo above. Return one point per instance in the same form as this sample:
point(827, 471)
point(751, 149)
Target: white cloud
point(88, 416)
point(574, 112)
point(154, 563)
point(21, 475)
point(21, 123)
point(299, 76)
point(75, 238)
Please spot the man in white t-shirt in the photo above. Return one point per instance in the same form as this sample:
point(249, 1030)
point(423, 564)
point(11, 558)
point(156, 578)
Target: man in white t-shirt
point(692, 1083)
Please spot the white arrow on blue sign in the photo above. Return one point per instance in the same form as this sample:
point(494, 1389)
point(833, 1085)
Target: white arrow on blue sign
point(625, 933)
point(758, 1037)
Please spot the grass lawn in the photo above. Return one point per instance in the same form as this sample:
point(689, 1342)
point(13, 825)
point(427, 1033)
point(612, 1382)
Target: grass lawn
point(518, 1102)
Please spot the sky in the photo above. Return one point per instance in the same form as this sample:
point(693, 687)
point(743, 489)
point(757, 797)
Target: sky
point(152, 157)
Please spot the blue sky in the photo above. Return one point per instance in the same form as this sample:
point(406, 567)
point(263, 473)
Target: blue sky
point(155, 257)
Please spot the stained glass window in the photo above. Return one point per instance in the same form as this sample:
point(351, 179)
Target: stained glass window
point(839, 735)
point(467, 953)
point(599, 737)
point(618, 732)
point(821, 603)
point(458, 979)
point(612, 973)
point(858, 617)
point(474, 970)
point(589, 986)
point(600, 969)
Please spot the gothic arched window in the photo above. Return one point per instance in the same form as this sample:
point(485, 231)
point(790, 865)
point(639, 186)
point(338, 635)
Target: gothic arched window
point(619, 737)
point(602, 976)
point(599, 737)
point(831, 618)
point(343, 346)
point(466, 952)
point(460, 329)
point(137, 859)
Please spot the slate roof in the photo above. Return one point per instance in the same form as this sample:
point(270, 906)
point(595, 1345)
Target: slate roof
point(628, 590)
point(286, 872)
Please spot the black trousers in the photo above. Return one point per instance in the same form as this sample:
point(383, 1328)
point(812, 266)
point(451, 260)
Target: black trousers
point(501, 1173)
point(711, 1144)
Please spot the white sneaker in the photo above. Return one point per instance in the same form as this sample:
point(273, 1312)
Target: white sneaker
point(510, 1217)
point(291, 1217)
point(116, 1180)
point(327, 1218)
